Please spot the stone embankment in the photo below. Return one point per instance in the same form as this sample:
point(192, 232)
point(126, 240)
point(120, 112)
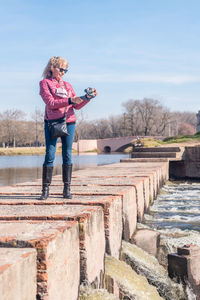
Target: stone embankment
point(48, 248)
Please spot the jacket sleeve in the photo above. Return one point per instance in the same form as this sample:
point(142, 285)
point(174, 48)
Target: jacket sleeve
point(83, 103)
point(49, 99)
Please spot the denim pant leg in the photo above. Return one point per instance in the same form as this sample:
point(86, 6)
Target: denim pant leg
point(67, 142)
point(50, 147)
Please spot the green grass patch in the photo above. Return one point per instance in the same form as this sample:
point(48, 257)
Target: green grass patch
point(96, 150)
point(170, 140)
point(25, 151)
point(182, 138)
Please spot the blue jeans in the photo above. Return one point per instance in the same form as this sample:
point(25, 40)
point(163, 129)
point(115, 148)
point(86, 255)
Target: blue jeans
point(67, 142)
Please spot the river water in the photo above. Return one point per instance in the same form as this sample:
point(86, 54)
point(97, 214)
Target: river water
point(22, 168)
point(177, 207)
point(176, 214)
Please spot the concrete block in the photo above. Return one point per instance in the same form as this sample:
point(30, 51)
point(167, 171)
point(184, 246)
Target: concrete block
point(140, 199)
point(146, 191)
point(129, 206)
point(192, 154)
point(136, 183)
point(17, 274)
point(57, 246)
point(148, 240)
point(112, 208)
point(142, 160)
point(157, 149)
point(91, 229)
point(130, 169)
point(153, 155)
point(185, 266)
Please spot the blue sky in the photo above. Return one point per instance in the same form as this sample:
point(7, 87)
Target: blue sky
point(126, 49)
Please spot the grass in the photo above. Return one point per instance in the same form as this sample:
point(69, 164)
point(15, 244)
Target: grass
point(170, 140)
point(25, 151)
point(22, 151)
point(32, 151)
point(182, 138)
point(96, 150)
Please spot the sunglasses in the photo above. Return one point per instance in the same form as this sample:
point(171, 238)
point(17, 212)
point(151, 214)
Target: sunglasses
point(63, 70)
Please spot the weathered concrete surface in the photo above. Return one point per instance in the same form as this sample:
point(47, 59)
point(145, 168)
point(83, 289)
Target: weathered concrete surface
point(70, 210)
point(91, 230)
point(185, 265)
point(17, 274)
point(57, 245)
point(102, 198)
point(189, 166)
point(161, 169)
point(177, 169)
point(134, 182)
point(157, 149)
point(129, 206)
point(148, 240)
point(87, 187)
point(119, 170)
point(149, 165)
point(146, 191)
point(144, 160)
point(153, 154)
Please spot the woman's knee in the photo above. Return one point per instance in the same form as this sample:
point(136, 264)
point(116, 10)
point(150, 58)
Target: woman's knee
point(49, 158)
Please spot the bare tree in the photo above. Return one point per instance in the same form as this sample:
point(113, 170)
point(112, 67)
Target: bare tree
point(146, 117)
point(11, 126)
point(179, 118)
point(38, 117)
point(186, 129)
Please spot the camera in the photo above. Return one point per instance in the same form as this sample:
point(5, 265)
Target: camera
point(90, 92)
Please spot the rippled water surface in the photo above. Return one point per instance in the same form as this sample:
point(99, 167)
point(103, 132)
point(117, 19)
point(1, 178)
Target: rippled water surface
point(177, 206)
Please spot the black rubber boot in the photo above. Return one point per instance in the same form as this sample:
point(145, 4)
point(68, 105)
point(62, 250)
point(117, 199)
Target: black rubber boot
point(67, 174)
point(46, 181)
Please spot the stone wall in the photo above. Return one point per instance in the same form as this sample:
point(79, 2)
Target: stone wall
point(188, 167)
point(55, 245)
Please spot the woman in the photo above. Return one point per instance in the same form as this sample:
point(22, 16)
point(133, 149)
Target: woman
point(59, 98)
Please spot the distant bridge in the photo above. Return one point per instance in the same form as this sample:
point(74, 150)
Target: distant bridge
point(104, 145)
point(117, 144)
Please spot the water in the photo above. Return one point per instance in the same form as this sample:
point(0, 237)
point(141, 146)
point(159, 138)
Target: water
point(131, 285)
point(146, 264)
point(176, 215)
point(15, 169)
point(88, 293)
point(177, 207)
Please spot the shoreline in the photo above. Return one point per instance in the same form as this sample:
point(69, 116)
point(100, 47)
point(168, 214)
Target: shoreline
point(35, 151)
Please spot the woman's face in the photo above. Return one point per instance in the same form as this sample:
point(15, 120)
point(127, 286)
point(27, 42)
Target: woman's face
point(58, 72)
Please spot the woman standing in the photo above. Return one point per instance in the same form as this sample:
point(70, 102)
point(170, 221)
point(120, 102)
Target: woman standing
point(60, 99)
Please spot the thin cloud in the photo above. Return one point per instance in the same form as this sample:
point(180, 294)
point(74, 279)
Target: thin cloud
point(176, 79)
point(134, 78)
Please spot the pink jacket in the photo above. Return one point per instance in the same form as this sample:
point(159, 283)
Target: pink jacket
point(55, 105)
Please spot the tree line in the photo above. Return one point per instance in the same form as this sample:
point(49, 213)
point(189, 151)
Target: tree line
point(147, 117)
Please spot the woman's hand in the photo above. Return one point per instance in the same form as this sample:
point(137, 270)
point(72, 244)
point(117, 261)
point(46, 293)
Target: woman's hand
point(76, 100)
point(95, 94)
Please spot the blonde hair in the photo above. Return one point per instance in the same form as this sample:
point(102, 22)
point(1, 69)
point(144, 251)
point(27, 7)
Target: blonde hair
point(56, 62)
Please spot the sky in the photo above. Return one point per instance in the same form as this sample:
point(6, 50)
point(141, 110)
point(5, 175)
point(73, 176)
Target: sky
point(126, 49)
